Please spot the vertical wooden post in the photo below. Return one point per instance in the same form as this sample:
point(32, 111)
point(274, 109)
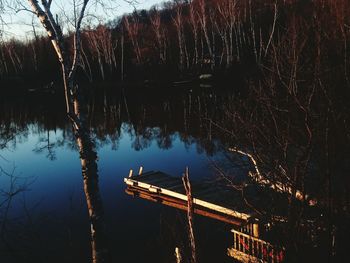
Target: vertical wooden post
point(140, 170)
point(243, 244)
point(234, 240)
point(190, 212)
point(256, 230)
point(239, 242)
point(253, 248)
point(178, 255)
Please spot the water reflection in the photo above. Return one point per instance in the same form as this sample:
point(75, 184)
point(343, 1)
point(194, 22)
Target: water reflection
point(160, 132)
point(127, 134)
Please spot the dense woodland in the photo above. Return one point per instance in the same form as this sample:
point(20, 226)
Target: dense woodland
point(185, 38)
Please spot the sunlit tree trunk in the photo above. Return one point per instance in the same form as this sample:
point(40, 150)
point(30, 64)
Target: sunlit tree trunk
point(133, 30)
point(194, 26)
point(101, 45)
point(75, 106)
point(14, 58)
point(180, 36)
point(4, 67)
point(227, 11)
point(122, 55)
point(88, 159)
point(202, 15)
point(157, 29)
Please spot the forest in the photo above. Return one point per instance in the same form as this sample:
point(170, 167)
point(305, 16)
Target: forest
point(183, 39)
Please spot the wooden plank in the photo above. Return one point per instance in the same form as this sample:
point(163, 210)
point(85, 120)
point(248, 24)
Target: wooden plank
point(242, 257)
point(148, 174)
point(176, 187)
point(152, 178)
point(159, 182)
point(215, 207)
point(172, 202)
point(145, 174)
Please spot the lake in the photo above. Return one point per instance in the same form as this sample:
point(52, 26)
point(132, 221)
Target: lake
point(43, 211)
point(48, 221)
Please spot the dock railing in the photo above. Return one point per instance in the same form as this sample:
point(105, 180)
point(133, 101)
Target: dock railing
point(247, 248)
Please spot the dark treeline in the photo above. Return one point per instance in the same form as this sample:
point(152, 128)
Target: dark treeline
point(185, 38)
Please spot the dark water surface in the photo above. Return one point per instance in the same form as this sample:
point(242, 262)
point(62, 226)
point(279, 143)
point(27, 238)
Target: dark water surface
point(47, 221)
point(43, 213)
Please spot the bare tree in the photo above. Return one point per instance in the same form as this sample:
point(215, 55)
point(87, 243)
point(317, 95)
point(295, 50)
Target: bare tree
point(159, 32)
point(194, 26)
point(227, 12)
point(75, 107)
point(181, 37)
point(132, 25)
point(13, 56)
point(122, 55)
point(102, 46)
point(203, 19)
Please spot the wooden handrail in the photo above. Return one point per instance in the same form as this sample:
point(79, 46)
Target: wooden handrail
point(250, 237)
point(256, 247)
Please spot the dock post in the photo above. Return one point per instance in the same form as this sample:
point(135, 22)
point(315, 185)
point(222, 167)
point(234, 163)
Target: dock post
point(190, 212)
point(178, 255)
point(234, 240)
point(140, 170)
point(256, 230)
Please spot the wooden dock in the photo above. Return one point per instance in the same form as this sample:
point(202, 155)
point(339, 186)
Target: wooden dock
point(215, 200)
point(210, 199)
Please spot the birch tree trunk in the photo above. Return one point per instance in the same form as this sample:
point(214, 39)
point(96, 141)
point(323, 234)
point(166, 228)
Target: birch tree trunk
point(76, 112)
point(194, 26)
point(132, 28)
point(179, 28)
point(157, 29)
point(202, 15)
point(89, 168)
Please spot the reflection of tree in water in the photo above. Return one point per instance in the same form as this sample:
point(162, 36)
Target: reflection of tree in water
point(44, 144)
point(13, 187)
point(11, 134)
point(182, 118)
point(6, 134)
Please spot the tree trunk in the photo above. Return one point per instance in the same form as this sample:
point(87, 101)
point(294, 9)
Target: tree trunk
point(75, 107)
point(89, 168)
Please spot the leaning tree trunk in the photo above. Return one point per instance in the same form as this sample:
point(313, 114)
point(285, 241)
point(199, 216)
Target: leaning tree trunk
point(75, 107)
point(88, 159)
